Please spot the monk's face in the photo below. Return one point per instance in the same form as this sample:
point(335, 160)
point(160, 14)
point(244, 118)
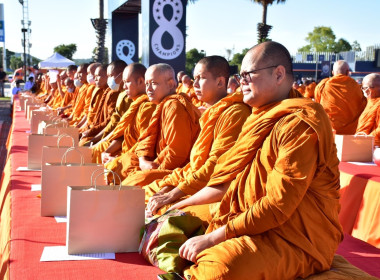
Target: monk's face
point(71, 74)
point(100, 77)
point(259, 87)
point(206, 85)
point(158, 85)
point(82, 74)
point(132, 83)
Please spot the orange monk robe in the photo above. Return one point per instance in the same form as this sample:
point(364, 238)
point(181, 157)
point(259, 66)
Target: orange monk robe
point(302, 89)
point(167, 141)
point(41, 88)
point(78, 111)
point(131, 126)
point(87, 101)
point(69, 96)
point(220, 127)
point(343, 101)
point(281, 207)
point(76, 101)
point(103, 115)
point(309, 90)
point(95, 105)
point(369, 121)
point(179, 88)
point(54, 95)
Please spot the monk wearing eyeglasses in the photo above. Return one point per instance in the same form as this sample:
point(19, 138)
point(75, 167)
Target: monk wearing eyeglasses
point(369, 121)
point(278, 186)
point(342, 99)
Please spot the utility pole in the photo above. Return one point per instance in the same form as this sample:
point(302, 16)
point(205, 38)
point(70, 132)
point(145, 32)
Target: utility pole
point(26, 34)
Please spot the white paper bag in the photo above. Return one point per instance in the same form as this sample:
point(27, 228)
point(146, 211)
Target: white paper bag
point(104, 219)
point(37, 141)
point(55, 179)
point(354, 147)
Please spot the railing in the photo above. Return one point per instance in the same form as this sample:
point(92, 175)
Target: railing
point(313, 57)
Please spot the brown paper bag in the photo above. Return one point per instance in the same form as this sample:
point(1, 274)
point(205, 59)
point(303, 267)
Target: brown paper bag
point(37, 141)
point(57, 176)
point(354, 147)
point(104, 219)
point(39, 116)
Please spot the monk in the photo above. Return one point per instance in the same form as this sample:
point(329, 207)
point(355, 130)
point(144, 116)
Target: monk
point(84, 88)
point(172, 131)
point(180, 74)
point(95, 104)
point(122, 102)
point(369, 121)
point(220, 124)
point(309, 89)
point(278, 186)
point(71, 70)
point(233, 85)
point(134, 87)
point(108, 110)
point(90, 78)
point(342, 99)
point(188, 89)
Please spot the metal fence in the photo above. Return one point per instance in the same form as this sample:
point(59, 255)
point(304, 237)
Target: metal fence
point(313, 57)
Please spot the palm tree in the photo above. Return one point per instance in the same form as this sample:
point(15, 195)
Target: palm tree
point(262, 28)
point(100, 25)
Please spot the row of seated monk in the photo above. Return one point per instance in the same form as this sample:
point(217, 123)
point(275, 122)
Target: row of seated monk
point(258, 165)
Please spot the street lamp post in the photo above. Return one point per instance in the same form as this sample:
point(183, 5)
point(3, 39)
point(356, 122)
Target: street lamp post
point(24, 30)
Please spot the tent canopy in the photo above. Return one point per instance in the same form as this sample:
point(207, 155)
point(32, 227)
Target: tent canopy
point(56, 61)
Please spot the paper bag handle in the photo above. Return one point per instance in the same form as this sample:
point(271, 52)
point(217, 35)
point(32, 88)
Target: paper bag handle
point(105, 171)
point(64, 157)
point(65, 135)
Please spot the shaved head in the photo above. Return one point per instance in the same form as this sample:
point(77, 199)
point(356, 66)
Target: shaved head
point(92, 67)
point(138, 70)
point(341, 68)
point(273, 54)
point(165, 70)
point(372, 80)
point(118, 65)
point(186, 80)
point(218, 66)
point(180, 74)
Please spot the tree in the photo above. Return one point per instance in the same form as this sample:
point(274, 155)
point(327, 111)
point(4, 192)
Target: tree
point(262, 28)
point(342, 46)
point(105, 57)
point(66, 50)
point(238, 58)
point(192, 58)
point(356, 46)
point(100, 25)
point(15, 63)
point(8, 55)
point(322, 39)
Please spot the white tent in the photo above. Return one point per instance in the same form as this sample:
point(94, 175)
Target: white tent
point(55, 61)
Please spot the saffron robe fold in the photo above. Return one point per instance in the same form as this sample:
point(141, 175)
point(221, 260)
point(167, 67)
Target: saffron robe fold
point(309, 90)
point(343, 101)
point(282, 200)
point(127, 126)
point(369, 121)
point(220, 127)
point(76, 102)
point(79, 110)
point(168, 139)
point(106, 108)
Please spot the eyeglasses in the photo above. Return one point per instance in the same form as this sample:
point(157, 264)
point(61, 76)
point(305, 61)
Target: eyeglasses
point(365, 88)
point(245, 75)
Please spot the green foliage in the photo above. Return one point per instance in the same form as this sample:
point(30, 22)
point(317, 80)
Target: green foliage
point(8, 55)
point(323, 39)
point(192, 58)
point(106, 56)
point(15, 62)
point(66, 50)
point(238, 58)
point(342, 46)
point(356, 46)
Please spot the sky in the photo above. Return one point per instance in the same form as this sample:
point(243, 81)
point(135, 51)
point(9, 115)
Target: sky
point(212, 25)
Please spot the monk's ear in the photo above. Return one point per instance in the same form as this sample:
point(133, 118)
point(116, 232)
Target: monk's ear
point(280, 73)
point(221, 82)
point(171, 83)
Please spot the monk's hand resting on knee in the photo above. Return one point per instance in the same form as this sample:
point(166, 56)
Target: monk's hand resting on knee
point(146, 164)
point(192, 247)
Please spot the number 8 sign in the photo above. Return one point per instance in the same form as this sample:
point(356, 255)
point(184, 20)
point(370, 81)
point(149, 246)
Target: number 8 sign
point(165, 25)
